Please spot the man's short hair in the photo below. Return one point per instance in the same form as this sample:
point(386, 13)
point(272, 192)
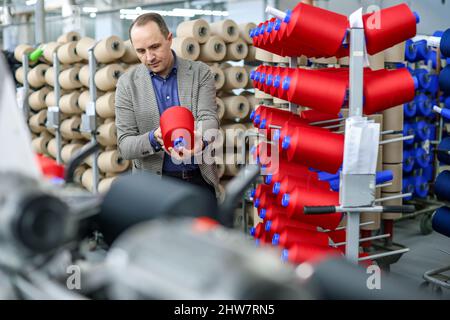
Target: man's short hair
point(145, 18)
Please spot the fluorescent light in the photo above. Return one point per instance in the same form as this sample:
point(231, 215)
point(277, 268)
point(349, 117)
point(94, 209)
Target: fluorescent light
point(92, 14)
point(90, 10)
point(30, 2)
point(132, 14)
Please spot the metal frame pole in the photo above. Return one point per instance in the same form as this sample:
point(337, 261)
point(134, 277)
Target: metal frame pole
point(91, 111)
point(57, 125)
point(26, 86)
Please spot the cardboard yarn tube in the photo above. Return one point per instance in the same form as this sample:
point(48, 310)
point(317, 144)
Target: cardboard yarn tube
point(395, 53)
point(37, 121)
point(236, 107)
point(107, 134)
point(50, 74)
point(52, 148)
point(69, 37)
point(197, 29)
point(393, 152)
point(393, 118)
point(109, 161)
point(106, 78)
point(279, 59)
point(40, 143)
point(227, 29)
point(397, 170)
point(109, 49)
point(186, 47)
point(83, 75)
point(212, 50)
point(220, 108)
point(69, 150)
point(68, 79)
point(244, 31)
point(105, 105)
point(219, 76)
point(36, 76)
point(261, 95)
point(235, 78)
point(69, 103)
point(394, 202)
point(70, 128)
point(130, 55)
point(22, 49)
point(67, 53)
point(83, 46)
point(49, 49)
point(263, 55)
point(36, 100)
point(376, 61)
point(105, 184)
point(236, 50)
point(50, 100)
point(85, 98)
point(251, 54)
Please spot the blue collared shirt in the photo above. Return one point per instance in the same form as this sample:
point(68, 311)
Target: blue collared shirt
point(166, 90)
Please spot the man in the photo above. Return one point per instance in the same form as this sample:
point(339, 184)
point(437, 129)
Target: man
point(146, 91)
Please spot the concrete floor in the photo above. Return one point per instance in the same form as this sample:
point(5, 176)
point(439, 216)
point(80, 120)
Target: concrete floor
point(424, 253)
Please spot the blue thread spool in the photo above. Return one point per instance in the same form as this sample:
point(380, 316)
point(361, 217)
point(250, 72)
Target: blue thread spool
point(422, 49)
point(423, 104)
point(408, 161)
point(410, 109)
point(447, 103)
point(428, 172)
point(432, 56)
point(442, 186)
point(423, 159)
point(419, 74)
point(443, 148)
point(410, 51)
point(444, 80)
point(432, 132)
point(408, 186)
point(408, 129)
point(433, 85)
point(441, 221)
point(421, 187)
point(445, 43)
point(422, 131)
point(424, 79)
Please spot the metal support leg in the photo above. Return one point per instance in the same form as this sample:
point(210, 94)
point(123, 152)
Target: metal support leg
point(26, 87)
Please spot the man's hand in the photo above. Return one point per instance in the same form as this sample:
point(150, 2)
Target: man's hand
point(182, 154)
point(158, 136)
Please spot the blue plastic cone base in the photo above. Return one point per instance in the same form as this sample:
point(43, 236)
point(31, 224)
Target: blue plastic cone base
point(257, 202)
point(268, 179)
point(285, 255)
point(262, 213)
point(286, 83)
point(285, 200)
point(276, 188)
point(286, 143)
point(276, 239)
point(268, 225)
point(252, 231)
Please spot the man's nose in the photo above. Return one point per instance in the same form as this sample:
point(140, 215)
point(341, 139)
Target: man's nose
point(149, 56)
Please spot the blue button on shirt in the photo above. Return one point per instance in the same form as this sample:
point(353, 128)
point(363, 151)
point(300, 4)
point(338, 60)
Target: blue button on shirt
point(166, 90)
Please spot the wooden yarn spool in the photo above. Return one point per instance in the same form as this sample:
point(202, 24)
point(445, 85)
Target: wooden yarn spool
point(236, 107)
point(52, 148)
point(107, 134)
point(393, 152)
point(67, 53)
point(218, 75)
point(236, 50)
point(244, 31)
point(220, 108)
point(263, 55)
point(69, 37)
point(49, 49)
point(106, 78)
point(235, 78)
point(69, 103)
point(197, 29)
point(251, 55)
point(22, 49)
point(130, 55)
point(109, 49)
point(83, 46)
point(68, 79)
point(19, 75)
point(36, 76)
point(234, 135)
point(36, 100)
point(214, 49)
point(109, 161)
point(37, 121)
point(227, 29)
point(397, 182)
point(105, 105)
point(70, 128)
point(69, 150)
point(50, 74)
point(84, 76)
point(105, 184)
point(186, 47)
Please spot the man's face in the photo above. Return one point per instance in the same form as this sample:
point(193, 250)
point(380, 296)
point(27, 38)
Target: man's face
point(152, 48)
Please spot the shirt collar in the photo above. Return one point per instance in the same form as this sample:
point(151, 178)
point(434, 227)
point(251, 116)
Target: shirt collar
point(174, 68)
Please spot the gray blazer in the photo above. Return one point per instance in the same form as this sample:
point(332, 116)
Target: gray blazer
point(137, 113)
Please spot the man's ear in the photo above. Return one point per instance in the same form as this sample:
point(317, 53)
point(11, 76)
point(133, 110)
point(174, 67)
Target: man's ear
point(170, 36)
